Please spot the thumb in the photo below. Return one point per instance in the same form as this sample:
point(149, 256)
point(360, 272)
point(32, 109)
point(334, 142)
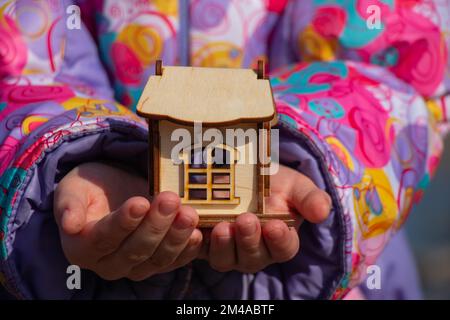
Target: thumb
point(70, 210)
point(311, 202)
point(109, 232)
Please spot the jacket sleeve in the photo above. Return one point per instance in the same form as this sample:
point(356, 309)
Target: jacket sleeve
point(56, 111)
point(364, 117)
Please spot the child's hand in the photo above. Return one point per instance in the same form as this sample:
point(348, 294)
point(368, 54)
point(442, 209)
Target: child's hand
point(136, 240)
point(247, 247)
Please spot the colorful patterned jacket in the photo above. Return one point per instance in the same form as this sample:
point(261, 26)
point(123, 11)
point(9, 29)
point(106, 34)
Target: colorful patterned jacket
point(362, 104)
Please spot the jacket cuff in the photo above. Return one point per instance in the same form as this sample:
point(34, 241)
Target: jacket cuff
point(319, 267)
point(32, 262)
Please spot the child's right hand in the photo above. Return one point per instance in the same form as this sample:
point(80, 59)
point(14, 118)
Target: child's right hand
point(137, 240)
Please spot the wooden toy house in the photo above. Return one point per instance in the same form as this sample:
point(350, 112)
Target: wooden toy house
point(220, 99)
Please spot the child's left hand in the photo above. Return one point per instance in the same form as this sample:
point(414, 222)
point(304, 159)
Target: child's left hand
point(246, 246)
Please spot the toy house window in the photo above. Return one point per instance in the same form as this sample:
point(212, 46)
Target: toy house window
point(209, 175)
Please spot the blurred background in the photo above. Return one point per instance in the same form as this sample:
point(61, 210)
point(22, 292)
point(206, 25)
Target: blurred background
point(428, 228)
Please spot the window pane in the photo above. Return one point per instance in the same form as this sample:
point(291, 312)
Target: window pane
point(221, 178)
point(221, 194)
point(221, 158)
point(197, 194)
point(198, 158)
point(197, 178)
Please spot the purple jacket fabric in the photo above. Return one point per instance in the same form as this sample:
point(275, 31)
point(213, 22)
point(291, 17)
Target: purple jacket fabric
point(362, 112)
point(42, 264)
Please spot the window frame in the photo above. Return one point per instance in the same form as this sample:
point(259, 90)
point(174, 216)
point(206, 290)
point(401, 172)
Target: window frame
point(209, 170)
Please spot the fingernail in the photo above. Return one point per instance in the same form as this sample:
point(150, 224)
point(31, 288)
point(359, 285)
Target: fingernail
point(183, 222)
point(275, 233)
point(69, 224)
point(327, 199)
point(137, 211)
point(195, 241)
point(65, 217)
point(168, 207)
point(223, 237)
point(326, 208)
point(248, 228)
point(223, 240)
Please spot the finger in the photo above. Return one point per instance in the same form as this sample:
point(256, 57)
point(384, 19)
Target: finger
point(176, 238)
point(144, 241)
point(107, 234)
point(282, 242)
point(222, 250)
point(204, 251)
point(311, 202)
point(70, 210)
point(190, 252)
point(252, 254)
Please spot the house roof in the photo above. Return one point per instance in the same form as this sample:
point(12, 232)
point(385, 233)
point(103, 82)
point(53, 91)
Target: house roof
point(208, 95)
